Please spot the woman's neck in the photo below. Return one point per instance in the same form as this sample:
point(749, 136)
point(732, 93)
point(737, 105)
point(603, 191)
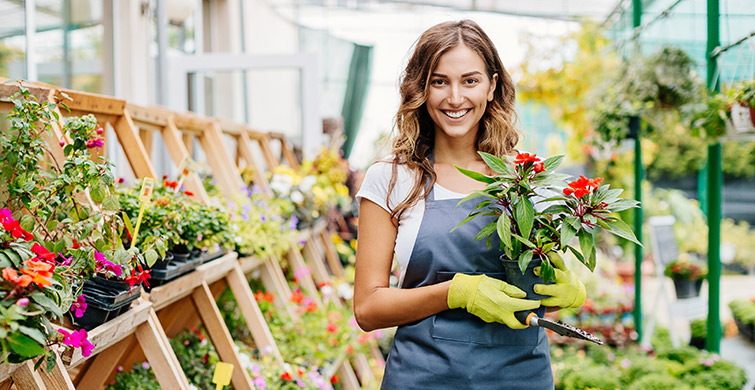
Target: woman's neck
point(456, 151)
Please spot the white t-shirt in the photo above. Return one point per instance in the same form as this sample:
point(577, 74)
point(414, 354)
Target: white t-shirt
point(375, 188)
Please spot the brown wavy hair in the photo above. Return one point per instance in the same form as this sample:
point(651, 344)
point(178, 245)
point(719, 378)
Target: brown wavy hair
point(415, 136)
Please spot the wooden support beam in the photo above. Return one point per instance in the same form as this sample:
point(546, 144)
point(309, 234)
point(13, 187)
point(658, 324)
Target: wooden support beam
point(315, 259)
point(178, 316)
point(26, 377)
point(103, 365)
point(245, 151)
point(296, 261)
point(58, 378)
point(133, 147)
point(146, 137)
point(267, 150)
point(178, 152)
point(161, 357)
point(188, 140)
point(216, 154)
point(93, 103)
point(361, 365)
point(221, 338)
point(334, 261)
point(254, 318)
point(287, 150)
point(348, 377)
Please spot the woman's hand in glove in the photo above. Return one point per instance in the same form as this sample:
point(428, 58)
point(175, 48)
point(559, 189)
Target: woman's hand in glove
point(490, 299)
point(568, 291)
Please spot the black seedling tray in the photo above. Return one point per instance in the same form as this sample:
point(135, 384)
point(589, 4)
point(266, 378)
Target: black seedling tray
point(210, 256)
point(164, 262)
point(108, 293)
point(95, 316)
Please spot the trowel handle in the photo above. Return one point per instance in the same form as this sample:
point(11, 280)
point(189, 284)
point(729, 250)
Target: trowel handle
point(527, 317)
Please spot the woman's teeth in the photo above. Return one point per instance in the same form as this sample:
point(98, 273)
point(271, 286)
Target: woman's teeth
point(456, 114)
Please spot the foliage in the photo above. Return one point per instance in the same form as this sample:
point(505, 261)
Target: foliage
point(267, 372)
point(630, 368)
point(682, 268)
point(527, 232)
point(567, 85)
point(174, 215)
point(258, 226)
point(744, 93)
point(197, 357)
point(140, 377)
point(743, 311)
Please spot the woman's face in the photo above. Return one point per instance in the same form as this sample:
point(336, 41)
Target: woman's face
point(459, 92)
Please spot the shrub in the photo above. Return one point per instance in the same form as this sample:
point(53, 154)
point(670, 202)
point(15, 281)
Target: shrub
point(594, 377)
point(658, 382)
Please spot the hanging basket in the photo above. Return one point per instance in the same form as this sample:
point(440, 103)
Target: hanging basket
point(742, 119)
point(686, 288)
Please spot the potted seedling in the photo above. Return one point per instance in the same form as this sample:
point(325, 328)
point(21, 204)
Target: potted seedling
point(687, 276)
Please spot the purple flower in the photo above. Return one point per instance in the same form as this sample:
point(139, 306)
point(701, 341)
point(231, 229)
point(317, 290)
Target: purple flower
point(259, 382)
point(145, 365)
point(79, 307)
point(77, 339)
point(300, 383)
point(108, 266)
point(263, 218)
point(22, 302)
point(66, 261)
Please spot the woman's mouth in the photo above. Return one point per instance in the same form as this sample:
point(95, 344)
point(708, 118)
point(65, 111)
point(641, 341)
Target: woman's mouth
point(455, 114)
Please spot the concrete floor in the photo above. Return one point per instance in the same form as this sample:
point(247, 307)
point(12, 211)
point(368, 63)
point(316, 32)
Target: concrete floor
point(734, 348)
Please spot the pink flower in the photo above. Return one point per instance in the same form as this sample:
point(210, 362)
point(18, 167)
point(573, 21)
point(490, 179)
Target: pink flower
point(95, 143)
point(77, 339)
point(22, 302)
point(103, 264)
point(79, 307)
point(301, 272)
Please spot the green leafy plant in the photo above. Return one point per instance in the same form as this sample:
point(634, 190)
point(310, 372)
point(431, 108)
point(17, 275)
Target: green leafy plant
point(744, 93)
point(527, 231)
point(684, 269)
point(140, 377)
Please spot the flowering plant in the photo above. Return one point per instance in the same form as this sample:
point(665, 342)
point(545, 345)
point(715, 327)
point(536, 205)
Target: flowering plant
point(516, 198)
point(682, 269)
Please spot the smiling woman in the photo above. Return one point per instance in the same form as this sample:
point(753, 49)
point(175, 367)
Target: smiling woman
point(454, 309)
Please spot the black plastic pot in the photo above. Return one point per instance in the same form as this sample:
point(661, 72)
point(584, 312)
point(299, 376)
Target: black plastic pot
point(210, 256)
point(106, 299)
point(686, 288)
point(525, 281)
point(163, 262)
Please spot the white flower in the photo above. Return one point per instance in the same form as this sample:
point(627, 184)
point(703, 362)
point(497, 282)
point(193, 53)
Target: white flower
point(297, 197)
point(326, 290)
point(307, 182)
point(345, 291)
point(281, 184)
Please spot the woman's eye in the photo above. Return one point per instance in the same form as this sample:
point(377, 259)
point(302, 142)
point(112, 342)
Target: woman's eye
point(471, 81)
point(437, 82)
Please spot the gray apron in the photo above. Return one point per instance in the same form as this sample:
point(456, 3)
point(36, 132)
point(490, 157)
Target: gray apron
point(454, 349)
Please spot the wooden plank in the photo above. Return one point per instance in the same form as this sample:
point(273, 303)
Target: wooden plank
point(221, 338)
point(272, 282)
point(42, 94)
point(253, 316)
point(6, 370)
point(132, 147)
point(334, 261)
point(215, 155)
point(267, 151)
point(58, 378)
point(166, 294)
point(146, 137)
point(245, 152)
point(250, 263)
point(296, 261)
point(93, 103)
point(98, 373)
point(25, 377)
point(218, 268)
point(361, 365)
point(315, 259)
point(216, 135)
point(178, 152)
point(287, 150)
point(6, 385)
point(178, 317)
point(161, 357)
point(153, 115)
point(188, 140)
point(111, 332)
point(347, 376)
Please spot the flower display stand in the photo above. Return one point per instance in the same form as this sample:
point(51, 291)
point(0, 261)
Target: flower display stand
point(287, 150)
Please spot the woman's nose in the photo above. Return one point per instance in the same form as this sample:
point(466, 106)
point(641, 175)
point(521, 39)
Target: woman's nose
point(455, 96)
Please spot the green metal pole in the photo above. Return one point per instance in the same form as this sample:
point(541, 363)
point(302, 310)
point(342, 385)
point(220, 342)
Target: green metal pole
point(638, 174)
point(713, 337)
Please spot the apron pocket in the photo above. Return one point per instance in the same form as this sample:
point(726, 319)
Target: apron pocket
point(459, 325)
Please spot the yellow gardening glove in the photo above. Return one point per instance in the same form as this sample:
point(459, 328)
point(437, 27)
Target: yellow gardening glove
point(568, 290)
point(490, 299)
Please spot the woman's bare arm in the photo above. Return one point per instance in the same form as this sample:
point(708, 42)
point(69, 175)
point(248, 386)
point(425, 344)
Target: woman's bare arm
point(375, 304)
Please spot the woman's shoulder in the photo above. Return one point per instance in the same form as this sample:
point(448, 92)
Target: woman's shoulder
point(384, 168)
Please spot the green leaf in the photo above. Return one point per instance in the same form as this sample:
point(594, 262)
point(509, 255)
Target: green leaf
point(522, 240)
point(59, 246)
point(486, 231)
point(548, 247)
point(150, 256)
point(567, 234)
point(496, 164)
point(503, 226)
point(475, 175)
point(98, 193)
point(525, 215)
point(46, 303)
point(524, 260)
point(111, 203)
point(471, 196)
point(24, 345)
point(466, 219)
point(623, 204)
point(621, 229)
point(576, 254)
point(27, 222)
point(35, 334)
point(586, 245)
point(547, 272)
point(555, 209)
point(552, 163)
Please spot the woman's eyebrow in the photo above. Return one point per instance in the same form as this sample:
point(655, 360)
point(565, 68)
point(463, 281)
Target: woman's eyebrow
point(464, 75)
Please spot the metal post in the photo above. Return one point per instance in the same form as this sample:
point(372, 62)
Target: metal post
point(638, 174)
point(713, 337)
point(30, 9)
point(162, 52)
point(67, 58)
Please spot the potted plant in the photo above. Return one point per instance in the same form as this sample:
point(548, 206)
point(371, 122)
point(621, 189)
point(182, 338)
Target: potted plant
point(742, 108)
point(535, 212)
point(687, 276)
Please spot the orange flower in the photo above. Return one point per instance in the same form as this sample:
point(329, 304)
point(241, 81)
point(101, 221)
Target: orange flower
point(297, 297)
point(269, 297)
point(312, 307)
point(258, 296)
point(11, 275)
point(523, 158)
point(39, 272)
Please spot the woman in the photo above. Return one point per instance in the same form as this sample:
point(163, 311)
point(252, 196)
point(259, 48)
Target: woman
point(456, 99)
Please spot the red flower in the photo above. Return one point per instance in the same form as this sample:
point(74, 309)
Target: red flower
point(297, 297)
point(140, 278)
point(189, 193)
point(523, 158)
point(334, 379)
point(11, 226)
point(270, 297)
point(76, 244)
point(311, 307)
point(539, 168)
point(258, 296)
point(582, 186)
point(42, 253)
point(286, 376)
point(171, 184)
point(332, 327)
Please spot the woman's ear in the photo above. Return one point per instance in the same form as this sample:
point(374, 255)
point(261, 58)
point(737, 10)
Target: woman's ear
point(493, 82)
